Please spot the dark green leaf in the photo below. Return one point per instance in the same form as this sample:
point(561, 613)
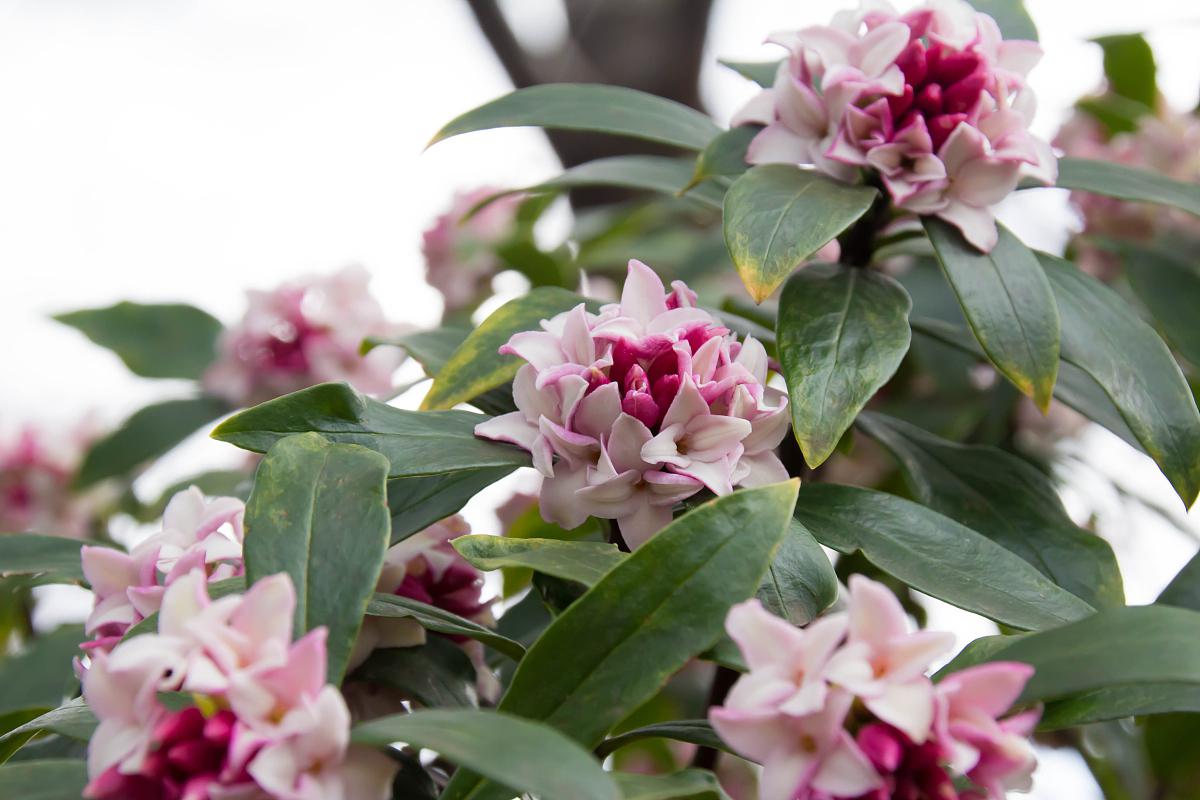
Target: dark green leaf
point(15, 735)
point(1007, 500)
point(1008, 303)
point(693, 731)
point(725, 155)
point(417, 503)
point(693, 784)
point(50, 779)
point(936, 555)
point(615, 647)
point(1104, 338)
point(435, 619)
point(477, 365)
point(1127, 183)
point(1011, 16)
point(415, 442)
point(761, 72)
point(438, 674)
point(590, 107)
point(155, 341)
point(669, 176)
point(146, 435)
point(583, 562)
point(431, 349)
point(1118, 703)
point(977, 652)
point(1115, 113)
point(73, 720)
point(842, 332)
point(1129, 67)
point(777, 215)
point(521, 754)
point(55, 559)
point(1184, 589)
point(800, 583)
point(318, 513)
point(1169, 286)
point(40, 674)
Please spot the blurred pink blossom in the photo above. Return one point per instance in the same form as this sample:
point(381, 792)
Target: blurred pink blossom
point(634, 409)
point(933, 102)
point(460, 258)
point(36, 471)
point(304, 333)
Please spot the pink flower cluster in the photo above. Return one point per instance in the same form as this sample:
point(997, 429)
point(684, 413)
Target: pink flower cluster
point(631, 410)
point(304, 333)
point(36, 471)
point(844, 709)
point(262, 723)
point(933, 102)
point(198, 533)
point(460, 257)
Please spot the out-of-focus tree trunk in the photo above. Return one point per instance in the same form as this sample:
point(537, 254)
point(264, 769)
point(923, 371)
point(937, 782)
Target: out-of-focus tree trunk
point(651, 45)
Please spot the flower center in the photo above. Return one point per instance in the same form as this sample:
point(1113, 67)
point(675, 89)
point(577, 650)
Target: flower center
point(940, 84)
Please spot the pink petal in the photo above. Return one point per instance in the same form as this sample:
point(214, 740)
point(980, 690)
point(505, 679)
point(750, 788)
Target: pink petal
point(876, 616)
point(642, 520)
point(643, 298)
point(776, 144)
point(978, 225)
point(908, 706)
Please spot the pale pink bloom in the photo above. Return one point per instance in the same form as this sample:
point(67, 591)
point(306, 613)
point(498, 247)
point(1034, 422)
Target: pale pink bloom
point(933, 102)
point(197, 533)
point(460, 254)
point(634, 409)
point(303, 333)
point(265, 724)
point(36, 470)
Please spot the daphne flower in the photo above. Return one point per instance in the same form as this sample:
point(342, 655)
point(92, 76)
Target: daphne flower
point(301, 334)
point(36, 471)
point(460, 255)
point(634, 409)
point(933, 102)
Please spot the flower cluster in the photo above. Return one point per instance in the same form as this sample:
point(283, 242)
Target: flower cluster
point(198, 533)
point(631, 410)
point(35, 485)
point(304, 333)
point(460, 257)
point(262, 723)
point(1168, 144)
point(933, 102)
point(844, 709)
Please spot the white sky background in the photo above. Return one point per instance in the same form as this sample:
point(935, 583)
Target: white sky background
point(162, 150)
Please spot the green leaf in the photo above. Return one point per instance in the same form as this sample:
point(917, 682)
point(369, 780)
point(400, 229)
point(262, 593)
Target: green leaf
point(1104, 338)
point(417, 503)
point(842, 333)
point(695, 784)
point(669, 176)
point(1127, 183)
point(49, 779)
point(435, 619)
point(1129, 67)
point(1118, 703)
point(725, 155)
point(936, 555)
point(693, 731)
point(318, 513)
point(777, 215)
point(1184, 589)
point(590, 107)
point(477, 365)
point(1011, 16)
point(54, 559)
point(1008, 303)
point(583, 562)
point(523, 755)
point(1007, 500)
point(415, 442)
point(615, 647)
point(1169, 286)
point(1115, 114)
point(155, 341)
point(40, 674)
point(761, 72)
point(438, 674)
point(146, 435)
point(73, 720)
point(431, 349)
point(800, 583)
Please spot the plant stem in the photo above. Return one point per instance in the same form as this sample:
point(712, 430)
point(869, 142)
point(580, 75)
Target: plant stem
point(858, 243)
point(723, 680)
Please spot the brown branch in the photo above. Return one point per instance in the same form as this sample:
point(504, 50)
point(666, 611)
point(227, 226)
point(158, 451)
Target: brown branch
point(513, 57)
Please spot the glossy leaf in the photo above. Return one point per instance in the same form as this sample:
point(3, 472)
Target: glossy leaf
point(693, 731)
point(54, 559)
point(146, 435)
point(435, 619)
point(842, 333)
point(431, 349)
point(523, 755)
point(476, 365)
point(936, 555)
point(590, 107)
point(693, 784)
point(1169, 286)
point(48, 779)
point(725, 155)
point(1007, 500)
point(1127, 183)
point(1104, 338)
point(777, 215)
point(669, 176)
point(1129, 67)
point(582, 562)
point(761, 72)
point(615, 647)
point(438, 674)
point(318, 513)
point(800, 583)
point(417, 503)
point(1184, 589)
point(73, 720)
point(415, 442)
point(39, 675)
point(155, 341)
point(1008, 303)
point(1119, 703)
